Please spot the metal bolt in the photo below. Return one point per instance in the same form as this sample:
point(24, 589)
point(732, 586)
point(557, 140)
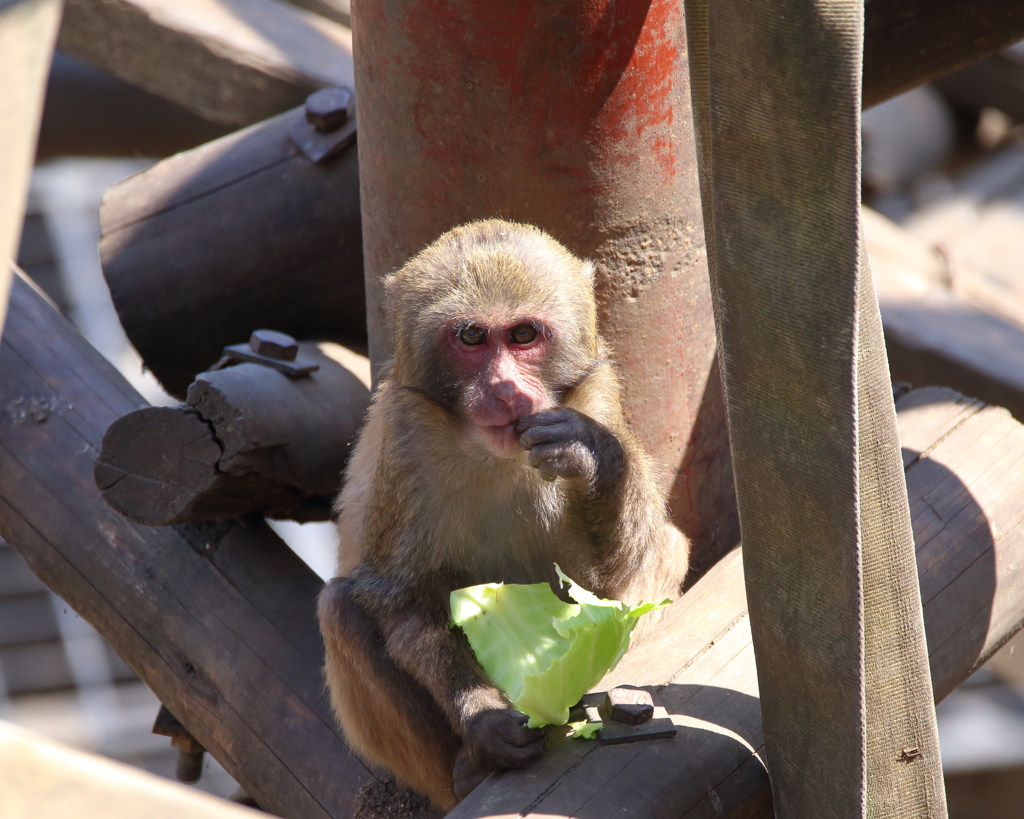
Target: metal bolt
point(190, 752)
point(329, 108)
point(190, 759)
point(272, 344)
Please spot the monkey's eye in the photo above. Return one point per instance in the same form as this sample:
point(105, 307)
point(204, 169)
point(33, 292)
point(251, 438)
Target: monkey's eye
point(472, 335)
point(523, 334)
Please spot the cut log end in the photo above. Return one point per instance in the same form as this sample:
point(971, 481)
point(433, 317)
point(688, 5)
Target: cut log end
point(154, 461)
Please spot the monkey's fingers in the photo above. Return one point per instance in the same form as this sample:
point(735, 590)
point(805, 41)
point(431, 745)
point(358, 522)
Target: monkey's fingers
point(560, 424)
point(562, 460)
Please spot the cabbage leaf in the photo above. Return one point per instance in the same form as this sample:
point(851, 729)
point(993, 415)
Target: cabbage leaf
point(543, 652)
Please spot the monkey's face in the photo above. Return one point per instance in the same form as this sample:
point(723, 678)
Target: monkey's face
point(495, 322)
point(500, 363)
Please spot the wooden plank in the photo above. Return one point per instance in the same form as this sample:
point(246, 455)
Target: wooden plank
point(964, 485)
point(27, 32)
point(241, 233)
point(41, 779)
point(233, 62)
point(910, 42)
point(218, 619)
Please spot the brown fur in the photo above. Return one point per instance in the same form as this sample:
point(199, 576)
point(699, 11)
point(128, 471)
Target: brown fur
point(425, 511)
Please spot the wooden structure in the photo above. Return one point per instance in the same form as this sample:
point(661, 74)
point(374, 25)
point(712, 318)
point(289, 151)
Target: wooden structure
point(218, 618)
point(248, 439)
point(44, 780)
point(233, 62)
point(242, 671)
point(275, 242)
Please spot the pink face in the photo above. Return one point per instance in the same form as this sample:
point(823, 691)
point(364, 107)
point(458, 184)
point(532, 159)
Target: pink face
point(501, 364)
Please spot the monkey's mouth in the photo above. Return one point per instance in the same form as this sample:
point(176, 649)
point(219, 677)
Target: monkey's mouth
point(501, 439)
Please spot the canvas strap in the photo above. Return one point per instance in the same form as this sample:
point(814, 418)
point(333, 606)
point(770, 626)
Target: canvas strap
point(835, 610)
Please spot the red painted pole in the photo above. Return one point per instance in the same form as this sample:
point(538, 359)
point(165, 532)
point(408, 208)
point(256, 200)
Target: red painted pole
point(573, 115)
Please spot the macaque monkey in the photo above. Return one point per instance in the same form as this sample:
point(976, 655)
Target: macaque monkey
point(494, 448)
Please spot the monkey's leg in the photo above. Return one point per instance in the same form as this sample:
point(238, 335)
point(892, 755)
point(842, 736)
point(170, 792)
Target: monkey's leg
point(389, 719)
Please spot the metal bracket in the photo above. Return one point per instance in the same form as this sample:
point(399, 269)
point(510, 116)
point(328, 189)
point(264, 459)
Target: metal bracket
point(268, 348)
point(329, 125)
point(619, 708)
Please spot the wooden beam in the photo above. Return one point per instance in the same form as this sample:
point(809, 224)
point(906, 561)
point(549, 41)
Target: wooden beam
point(218, 619)
point(910, 42)
point(248, 439)
point(965, 475)
point(940, 332)
point(233, 62)
point(41, 779)
point(241, 233)
point(27, 31)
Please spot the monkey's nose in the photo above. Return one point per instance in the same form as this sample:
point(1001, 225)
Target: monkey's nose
point(505, 390)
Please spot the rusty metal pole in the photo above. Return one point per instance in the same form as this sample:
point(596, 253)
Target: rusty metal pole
point(574, 117)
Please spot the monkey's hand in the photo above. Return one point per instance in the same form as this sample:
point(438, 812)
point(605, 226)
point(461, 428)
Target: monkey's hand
point(494, 740)
point(564, 443)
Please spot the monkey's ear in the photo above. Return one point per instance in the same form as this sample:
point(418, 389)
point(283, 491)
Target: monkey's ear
point(587, 271)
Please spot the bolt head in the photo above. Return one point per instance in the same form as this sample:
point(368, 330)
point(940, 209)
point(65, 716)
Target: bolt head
point(329, 108)
point(275, 345)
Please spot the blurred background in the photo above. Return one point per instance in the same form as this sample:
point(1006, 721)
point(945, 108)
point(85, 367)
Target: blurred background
point(944, 164)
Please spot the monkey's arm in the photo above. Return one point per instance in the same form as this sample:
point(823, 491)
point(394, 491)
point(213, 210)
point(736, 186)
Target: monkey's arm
point(616, 491)
point(418, 639)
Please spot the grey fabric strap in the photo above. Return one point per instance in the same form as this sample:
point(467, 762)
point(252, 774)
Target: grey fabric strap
point(834, 601)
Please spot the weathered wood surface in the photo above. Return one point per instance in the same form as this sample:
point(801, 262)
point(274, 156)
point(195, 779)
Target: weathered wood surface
point(244, 232)
point(944, 332)
point(338, 10)
point(27, 32)
point(997, 82)
point(965, 476)
point(90, 113)
point(248, 439)
point(41, 779)
point(233, 62)
point(910, 42)
point(218, 619)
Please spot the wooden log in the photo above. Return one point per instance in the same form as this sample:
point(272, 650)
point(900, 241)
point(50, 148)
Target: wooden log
point(218, 619)
point(997, 82)
point(244, 232)
point(43, 779)
point(233, 62)
point(27, 32)
point(965, 475)
point(89, 113)
point(248, 439)
point(910, 42)
point(338, 10)
point(964, 334)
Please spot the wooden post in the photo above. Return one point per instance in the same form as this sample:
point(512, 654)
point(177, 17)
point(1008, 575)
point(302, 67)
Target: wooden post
point(219, 620)
point(27, 32)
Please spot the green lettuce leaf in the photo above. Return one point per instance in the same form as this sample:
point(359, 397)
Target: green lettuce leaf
point(543, 652)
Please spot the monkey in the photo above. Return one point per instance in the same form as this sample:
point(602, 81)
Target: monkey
point(495, 446)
